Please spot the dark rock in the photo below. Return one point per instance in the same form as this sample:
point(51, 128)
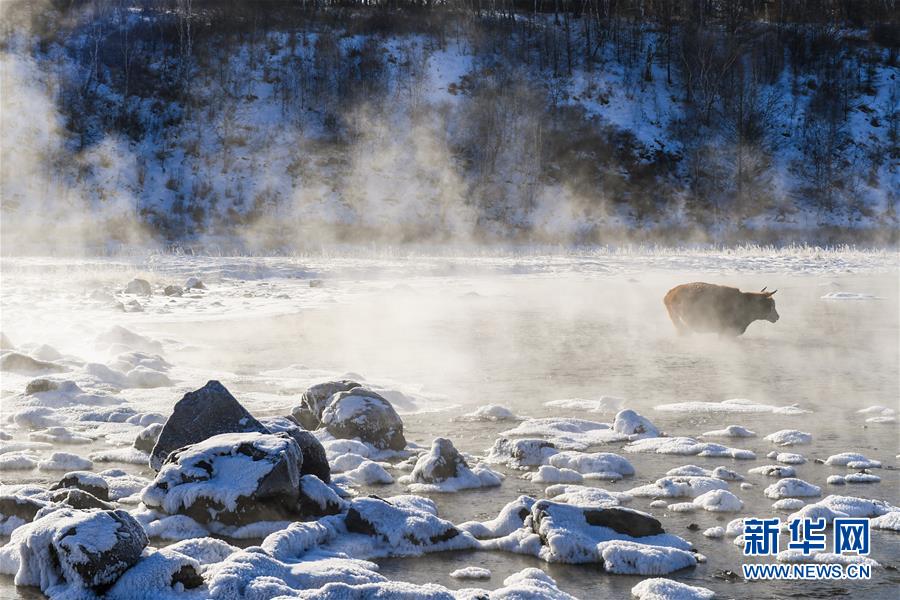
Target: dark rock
point(23, 507)
point(442, 462)
point(173, 290)
point(363, 414)
point(317, 499)
point(138, 286)
point(85, 481)
point(22, 363)
point(76, 547)
point(315, 459)
point(200, 415)
point(36, 386)
point(316, 283)
point(80, 499)
point(187, 576)
point(624, 520)
point(316, 398)
point(621, 520)
point(726, 575)
point(232, 479)
point(147, 437)
point(693, 527)
point(194, 284)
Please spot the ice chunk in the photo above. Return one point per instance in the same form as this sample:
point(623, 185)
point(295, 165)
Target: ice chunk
point(567, 434)
point(367, 473)
point(548, 474)
point(594, 465)
point(686, 446)
point(735, 431)
point(737, 405)
point(679, 487)
point(489, 412)
point(632, 558)
point(719, 501)
point(511, 518)
point(788, 504)
point(603, 405)
point(852, 460)
point(773, 471)
point(64, 461)
point(789, 437)
point(667, 589)
point(791, 487)
point(634, 425)
point(471, 573)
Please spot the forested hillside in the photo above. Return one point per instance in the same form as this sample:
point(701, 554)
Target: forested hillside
point(282, 123)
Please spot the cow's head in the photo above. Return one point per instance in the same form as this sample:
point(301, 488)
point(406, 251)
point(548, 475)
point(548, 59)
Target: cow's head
point(765, 305)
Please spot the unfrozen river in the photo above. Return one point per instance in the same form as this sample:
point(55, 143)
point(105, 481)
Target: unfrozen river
point(449, 334)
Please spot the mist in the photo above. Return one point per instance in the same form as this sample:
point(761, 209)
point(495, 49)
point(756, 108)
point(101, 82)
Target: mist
point(181, 125)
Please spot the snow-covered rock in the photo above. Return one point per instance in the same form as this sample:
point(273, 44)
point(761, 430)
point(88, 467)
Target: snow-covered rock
point(490, 412)
point(200, 415)
point(685, 446)
point(314, 400)
point(732, 431)
point(315, 459)
point(91, 483)
point(140, 287)
point(471, 572)
point(511, 517)
point(25, 365)
point(147, 437)
point(520, 453)
point(231, 479)
point(719, 501)
point(852, 460)
point(64, 461)
point(363, 414)
point(72, 551)
point(791, 487)
point(567, 433)
point(679, 487)
point(635, 426)
point(594, 465)
point(789, 437)
point(443, 469)
point(623, 540)
point(774, 471)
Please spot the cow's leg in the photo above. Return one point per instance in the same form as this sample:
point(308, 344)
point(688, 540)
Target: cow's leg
point(680, 327)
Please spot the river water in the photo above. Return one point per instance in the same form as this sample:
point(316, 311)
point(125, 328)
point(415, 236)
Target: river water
point(455, 333)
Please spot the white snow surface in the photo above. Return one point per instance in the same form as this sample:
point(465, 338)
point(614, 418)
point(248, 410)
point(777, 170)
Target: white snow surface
point(666, 589)
point(737, 405)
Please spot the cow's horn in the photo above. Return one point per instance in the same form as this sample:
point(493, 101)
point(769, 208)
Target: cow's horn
point(762, 290)
point(772, 292)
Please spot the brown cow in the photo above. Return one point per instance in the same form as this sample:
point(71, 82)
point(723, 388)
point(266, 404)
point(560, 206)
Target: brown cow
point(706, 307)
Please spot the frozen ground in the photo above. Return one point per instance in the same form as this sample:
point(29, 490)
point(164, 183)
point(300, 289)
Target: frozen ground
point(443, 335)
